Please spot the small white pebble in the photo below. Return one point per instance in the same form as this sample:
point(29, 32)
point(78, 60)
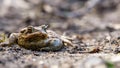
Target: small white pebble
point(108, 38)
point(115, 58)
point(40, 62)
point(34, 59)
point(54, 66)
point(95, 62)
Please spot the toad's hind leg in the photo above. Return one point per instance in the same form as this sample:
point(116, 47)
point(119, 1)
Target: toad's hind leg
point(53, 44)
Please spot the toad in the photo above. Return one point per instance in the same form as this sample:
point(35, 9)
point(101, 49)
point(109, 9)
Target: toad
point(39, 38)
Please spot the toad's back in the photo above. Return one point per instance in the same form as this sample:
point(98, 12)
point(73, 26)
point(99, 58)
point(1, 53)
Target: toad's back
point(32, 41)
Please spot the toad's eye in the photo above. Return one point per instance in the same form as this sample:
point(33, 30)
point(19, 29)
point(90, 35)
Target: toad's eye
point(22, 31)
point(30, 29)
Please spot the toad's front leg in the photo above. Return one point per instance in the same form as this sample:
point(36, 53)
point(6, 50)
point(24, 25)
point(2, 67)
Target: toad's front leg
point(12, 40)
point(53, 44)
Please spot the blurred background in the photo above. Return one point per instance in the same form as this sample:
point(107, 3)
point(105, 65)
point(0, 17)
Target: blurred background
point(78, 16)
point(94, 26)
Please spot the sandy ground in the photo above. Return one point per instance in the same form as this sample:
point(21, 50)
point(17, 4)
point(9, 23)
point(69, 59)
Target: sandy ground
point(96, 33)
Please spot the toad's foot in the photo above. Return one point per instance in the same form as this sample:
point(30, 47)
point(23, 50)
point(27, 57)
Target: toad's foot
point(67, 41)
